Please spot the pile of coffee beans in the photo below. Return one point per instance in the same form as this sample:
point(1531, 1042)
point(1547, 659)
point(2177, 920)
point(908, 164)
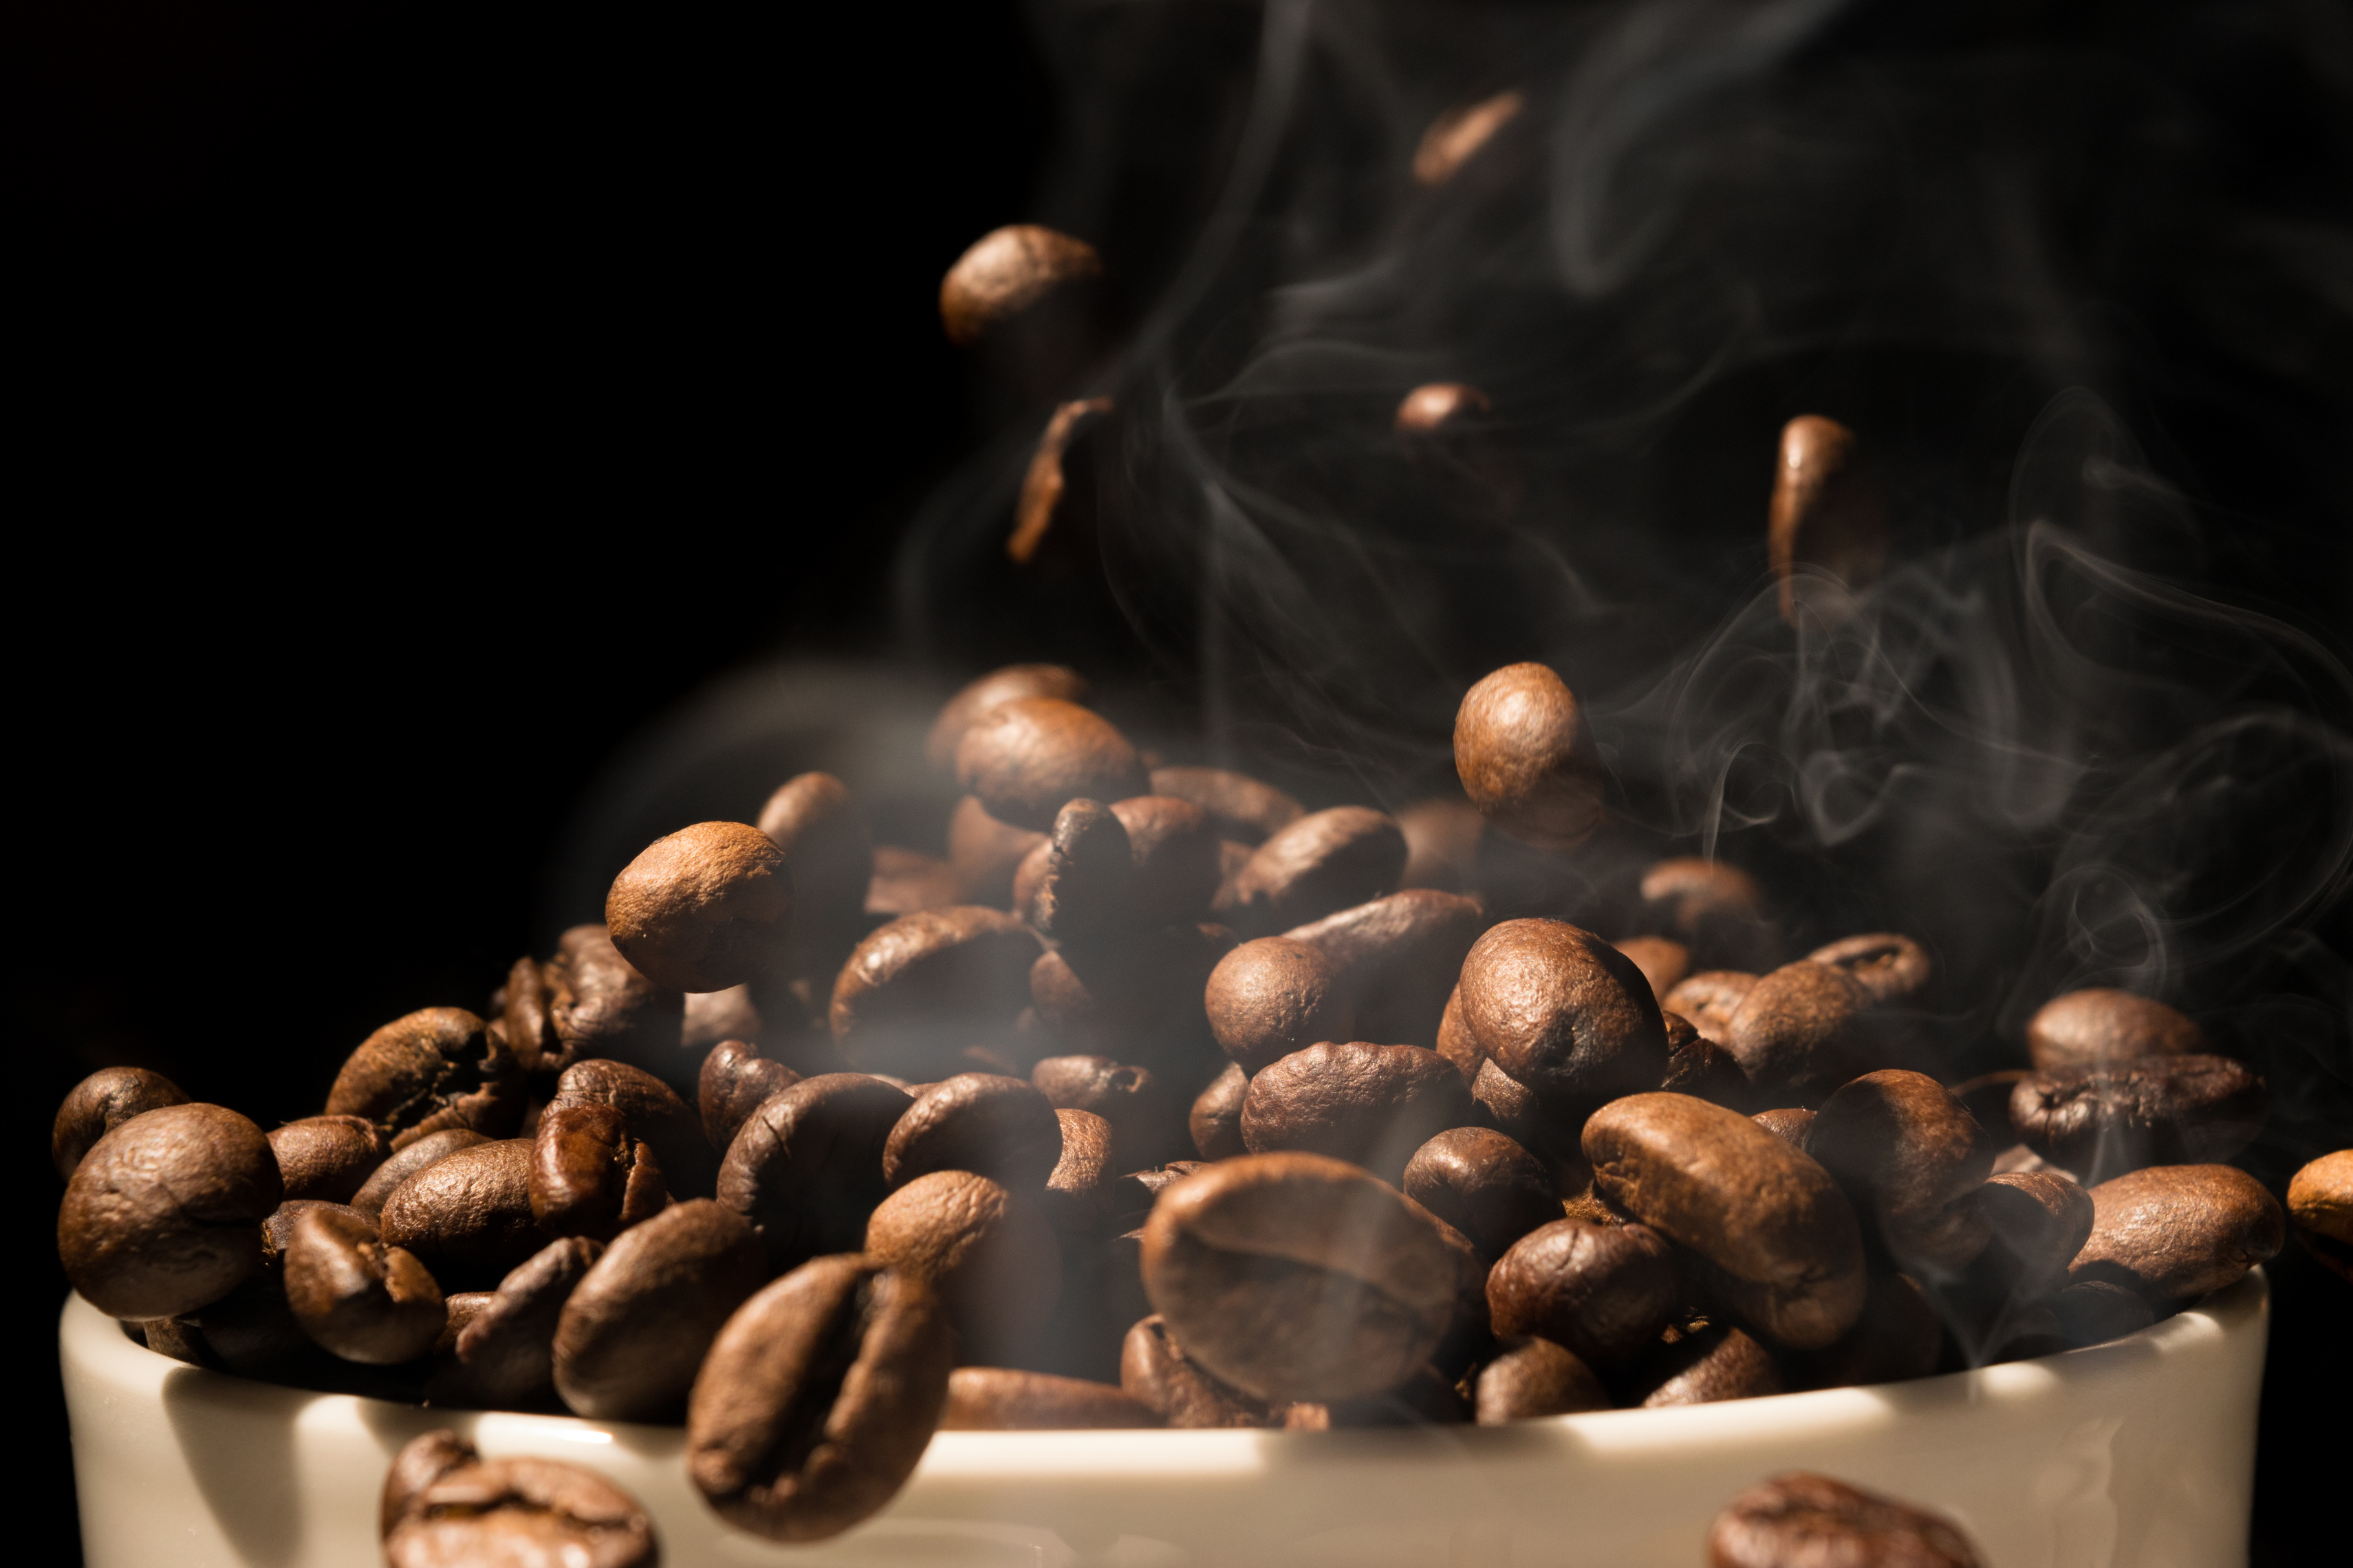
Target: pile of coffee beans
point(1164, 1100)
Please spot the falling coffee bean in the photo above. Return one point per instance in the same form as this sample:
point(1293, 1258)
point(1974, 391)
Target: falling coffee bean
point(1526, 757)
point(1456, 137)
point(327, 1157)
point(1023, 760)
point(1827, 534)
point(703, 908)
point(1027, 299)
point(2320, 1202)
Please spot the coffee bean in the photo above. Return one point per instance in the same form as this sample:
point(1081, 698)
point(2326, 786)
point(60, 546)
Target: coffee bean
point(917, 990)
point(1142, 1113)
point(807, 1167)
point(703, 908)
point(652, 1114)
point(2041, 1220)
point(1322, 863)
point(817, 1398)
point(1709, 999)
point(1428, 1397)
point(1136, 993)
point(435, 1068)
point(1563, 1012)
point(327, 1157)
point(2156, 1111)
point(1513, 1110)
point(253, 1333)
point(588, 1176)
point(460, 1309)
point(1483, 1183)
point(1526, 757)
point(906, 880)
point(635, 1327)
point(102, 1102)
point(505, 1353)
point(1987, 1096)
point(1215, 1122)
point(1081, 876)
point(1697, 1065)
point(1078, 1196)
point(1025, 296)
point(179, 1338)
point(1000, 1399)
point(1790, 1125)
point(398, 1168)
point(1799, 1518)
point(2100, 1026)
point(1458, 135)
point(445, 1507)
point(2094, 1311)
point(599, 1007)
point(1800, 1032)
point(2175, 1232)
point(1664, 963)
point(1781, 1236)
point(997, 1127)
point(1155, 1371)
point(985, 854)
point(1174, 847)
point(1134, 1193)
point(1023, 760)
point(1910, 1160)
point(1826, 535)
point(991, 690)
point(1892, 970)
point(817, 824)
point(713, 1016)
point(363, 1301)
point(466, 1215)
point(1442, 841)
point(2320, 1202)
point(1898, 1337)
point(1061, 483)
point(1399, 959)
point(1240, 808)
point(1716, 910)
point(990, 1255)
point(524, 1003)
point(1275, 995)
point(1294, 1276)
point(1532, 1377)
point(1716, 1363)
point(1456, 1043)
point(1605, 1293)
point(160, 1216)
point(1370, 1105)
point(735, 1078)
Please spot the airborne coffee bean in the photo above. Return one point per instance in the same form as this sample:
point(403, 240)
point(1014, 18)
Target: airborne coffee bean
point(162, 1215)
point(1526, 758)
point(634, 1330)
point(703, 908)
point(1826, 534)
point(1799, 1518)
point(444, 1507)
point(102, 1102)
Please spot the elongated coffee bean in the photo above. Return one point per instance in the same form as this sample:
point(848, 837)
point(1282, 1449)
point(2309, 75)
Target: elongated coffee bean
point(634, 1330)
point(1002, 1399)
point(1371, 1105)
point(1890, 970)
point(444, 1505)
point(703, 908)
point(1604, 1292)
point(2156, 1111)
point(370, 1199)
point(1910, 1159)
point(2175, 1232)
point(2320, 1202)
point(327, 1157)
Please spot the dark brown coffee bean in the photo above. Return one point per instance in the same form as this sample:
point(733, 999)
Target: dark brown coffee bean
point(990, 1255)
point(1605, 1293)
point(998, 1127)
point(1297, 1276)
point(588, 1176)
point(253, 1333)
point(1081, 878)
point(1800, 1032)
point(1716, 910)
point(2097, 1311)
point(703, 908)
point(1709, 1000)
point(1000, 1399)
point(1697, 1065)
point(1532, 1377)
point(1563, 1012)
point(653, 1114)
point(1078, 1196)
point(1134, 992)
point(1484, 1184)
point(1897, 1338)
point(807, 1167)
point(327, 1157)
point(1910, 1160)
point(815, 822)
point(1326, 861)
point(1275, 995)
point(1456, 1043)
point(599, 1007)
point(920, 989)
point(1023, 760)
point(991, 690)
point(525, 1003)
point(1813, 1519)
point(1987, 1096)
point(2157, 1110)
point(1399, 959)
point(2100, 1026)
point(735, 1078)
point(2320, 1202)
point(444, 1507)
point(633, 1330)
point(1370, 1105)
point(1241, 808)
point(1176, 858)
point(466, 1215)
point(160, 1216)
point(2041, 1220)
point(1428, 1397)
point(1790, 1125)
point(1526, 758)
point(505, 1356)
point(1513, 1110)
point(1216, 1119)
point(102, 1102)
point(984, 853)
point(1142, 1113)
point(398, 1168)
point(713, 1016)
point(1155, 1371)
point(1716, 1363)
point(1892, 970)
point(1769, 1218)
point(363, 1301)
point(2175, 1232)
point(1826, 535)
point(817, 1398)
point(435, 1068)
point(1664, 963)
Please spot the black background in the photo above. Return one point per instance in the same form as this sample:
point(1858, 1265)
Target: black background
point(414, 403)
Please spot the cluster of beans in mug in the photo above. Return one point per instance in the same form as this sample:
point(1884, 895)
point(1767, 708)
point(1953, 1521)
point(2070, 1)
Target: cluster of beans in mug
point(1161, 1101)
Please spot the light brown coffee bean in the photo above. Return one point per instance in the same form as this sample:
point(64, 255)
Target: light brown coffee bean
point(994, 1126)
point(398, 1168)
point(1826, 536)
point(1155, 1371)
point(1800, 1032)
point(434, 1069)
point(1716, 910)
point(1399, 959)
point(919, 990)
point(1370, 1105)
point(2320, 1202)
point(1001, 1399)
point(996, 688)
point(1023, 760)
point(100, 1103)
point(327, 1157)
point(1665, 962)
point(1892, 970)
point(1912, 1160)
point(1563, 1012)
point(2101, 1026)
point(159, 1217)
point(1078, 1196)
point(633, 1331)
point(990, 1255)
point(1526, 758)
point(817, 824)
point(1790, 1125)
point(1241, 808)
point(703, 908)
point(1216, 1119)
point(1800, 1517)
point(2175, 1232)
point(365, 1301)
point(446, 1508)
point(1324, 862)
point(1528, 1378)
point(1457, 136)
point(1709, 999)
point(1025, 296)
point(1275, 995)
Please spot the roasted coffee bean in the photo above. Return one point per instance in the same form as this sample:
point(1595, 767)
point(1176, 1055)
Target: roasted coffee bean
point(920, 989)
point(1137, 992)
point(1533, 1377)
point(1060, 482)
point(815, 822)
point(505, 1354)
point(2176, 1232)
point(159, 1217)
point(445, 1507)
point(991, 690)
point(1025, 293)
point(2041, 1220)
point(1697, 1065)
point(807, 1166)
point(997, 1127)
point(1241, 808)
point(2100, 1026)
point(1023, 760)
point(1457, 136)
point(1605, 1293)
point(985, 854)
point(1790, 1125)
point(1563, 1012)
point(1514, 1108)
point(1324, 862)
point(1716, 910)
point(653, 1114)
point(1441, 844)
point(735, 1078)
point(818, 1397)
point(588, 1176)
point(1078, 1196)
point(327, 1157)
point(1800, 1032)
point(1897, 1338)
point(102, 1102)
point(435, 1068)
point(1081, 876)
point(1399, 959)
point(466, 1215)
point(1456, 1043)
point(1910, 1159)
point(600, 1007)
point(1000, 1399)
point(1428, 1397)
point(906, 880)
point(634, 1328)
point(1822, 1523)
point(1484, 1184)
point(363, 1301)
point(2320, 1202)
point(1987, 1096)
point(525, 1004)
point(1892, 970)
point(1216, 1119)
point(703, 908)
point(1664, 963)
point(1716, 1363)
point(1709, 1000)
point(1782, 1238)
point(253, 1332)
point(1296, 1276)
point(1826, 535)
point(179, 1338)
point(713, 1016)
point(461, 1307)
point(1370, 1105)
point(990, 1255)
point(2097, 1311)
point(2157, 1110)
point(1526, 757)
point(1174, 847)
point(1275, 995)
point(1155, 1371)
point(398, 1168)
point(1132, 1195)
point(1141, 1111)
